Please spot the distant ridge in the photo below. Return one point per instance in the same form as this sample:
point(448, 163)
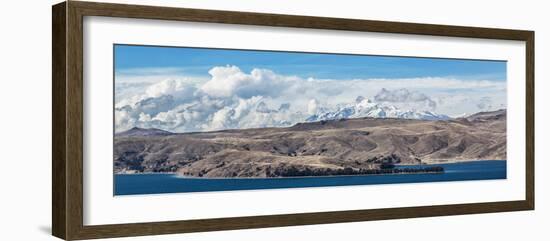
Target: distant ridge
point(488, 115)
point(136, 131)
point(318, 147)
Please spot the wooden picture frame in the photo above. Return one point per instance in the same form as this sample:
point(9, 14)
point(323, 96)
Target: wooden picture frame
point(67, 137)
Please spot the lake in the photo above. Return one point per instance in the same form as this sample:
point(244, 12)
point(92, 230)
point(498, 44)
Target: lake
point(128, 184)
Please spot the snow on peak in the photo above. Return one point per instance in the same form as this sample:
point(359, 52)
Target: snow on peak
point(363, 107)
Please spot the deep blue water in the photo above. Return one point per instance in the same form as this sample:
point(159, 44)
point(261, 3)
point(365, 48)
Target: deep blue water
point(127, 184)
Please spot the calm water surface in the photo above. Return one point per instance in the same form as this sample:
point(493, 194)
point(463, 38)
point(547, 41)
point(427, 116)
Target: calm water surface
point(127, 184)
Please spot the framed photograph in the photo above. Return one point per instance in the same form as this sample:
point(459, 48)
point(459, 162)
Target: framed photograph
point(171, 120)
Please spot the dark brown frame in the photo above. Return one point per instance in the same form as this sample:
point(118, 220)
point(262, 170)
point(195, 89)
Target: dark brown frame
point(67, 123)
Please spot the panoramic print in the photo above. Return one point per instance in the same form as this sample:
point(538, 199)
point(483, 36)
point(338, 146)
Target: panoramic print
point(204, 119)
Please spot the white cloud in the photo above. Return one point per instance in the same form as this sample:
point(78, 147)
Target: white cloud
point(231, 98)
point(230, 80)
point(222, 119)
point(403, 95)
point(144, 117)
point(313, 106)
point(165, 87)
point(485, 103)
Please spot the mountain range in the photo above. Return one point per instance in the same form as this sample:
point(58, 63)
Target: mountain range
point(336, 142)
point(363, 107)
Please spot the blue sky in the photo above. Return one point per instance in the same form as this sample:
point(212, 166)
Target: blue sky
point(199, 89)
point(197, 61)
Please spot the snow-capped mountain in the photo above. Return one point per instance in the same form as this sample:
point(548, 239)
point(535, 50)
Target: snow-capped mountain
point(364, 107)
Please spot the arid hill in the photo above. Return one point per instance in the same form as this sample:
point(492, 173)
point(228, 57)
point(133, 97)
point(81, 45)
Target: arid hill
point(316, 147)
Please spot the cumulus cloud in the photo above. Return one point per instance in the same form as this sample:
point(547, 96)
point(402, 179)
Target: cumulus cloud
point(313, 106)
point(179, 89)
point(262, 108)
point(484, 103)
point(284, 107)
point(166, 87)
point(232, 98)
point(230, 80)
point(403, 95)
